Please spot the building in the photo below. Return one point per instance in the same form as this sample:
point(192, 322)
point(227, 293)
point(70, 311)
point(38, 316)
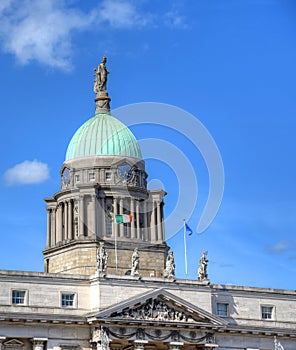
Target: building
point(109, 278)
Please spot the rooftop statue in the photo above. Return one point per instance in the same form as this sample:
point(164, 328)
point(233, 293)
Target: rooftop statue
point(277, 345)
point(101, 76)
point(203, 265)
point(169, 271)
point(135, 263)
point(102, 258)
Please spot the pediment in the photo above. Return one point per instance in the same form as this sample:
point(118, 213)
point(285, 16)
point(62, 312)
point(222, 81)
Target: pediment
point(14, 343)
point(158, 306)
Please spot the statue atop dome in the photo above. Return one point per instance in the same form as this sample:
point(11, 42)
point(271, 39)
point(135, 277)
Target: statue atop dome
point(101, 76)
point(100, 87)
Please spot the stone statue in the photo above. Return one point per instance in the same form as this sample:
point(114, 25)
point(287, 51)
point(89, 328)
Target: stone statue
point(203, 264)
point(135, 263)
point(100, 337)
point(102, 258)
point(277, 345)
point(101, 76)
point(169, 270)
point(105, 340)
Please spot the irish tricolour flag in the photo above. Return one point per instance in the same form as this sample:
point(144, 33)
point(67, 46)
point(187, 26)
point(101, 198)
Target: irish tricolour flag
point(123, 219)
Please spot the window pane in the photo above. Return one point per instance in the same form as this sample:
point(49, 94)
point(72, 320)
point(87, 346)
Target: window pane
point(18, 297)
point(266, 312)
point(222, 309)
point(109, 223)
point(68, 299)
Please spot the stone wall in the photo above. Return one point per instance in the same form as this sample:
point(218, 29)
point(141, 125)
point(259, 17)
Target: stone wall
point(79, 257)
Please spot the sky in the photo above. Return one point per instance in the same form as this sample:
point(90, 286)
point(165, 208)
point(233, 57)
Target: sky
point(228, 63)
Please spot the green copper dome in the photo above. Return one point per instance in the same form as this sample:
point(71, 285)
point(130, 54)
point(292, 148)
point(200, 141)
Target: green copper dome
point(103, 135)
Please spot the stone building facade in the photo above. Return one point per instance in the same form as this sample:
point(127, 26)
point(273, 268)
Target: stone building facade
point(108, 280)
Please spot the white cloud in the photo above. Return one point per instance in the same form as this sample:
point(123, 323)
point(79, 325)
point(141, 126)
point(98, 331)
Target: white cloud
point(43, 30)
point(122, 14)
point(282, 246)
point(173, 19)
point(27, 172)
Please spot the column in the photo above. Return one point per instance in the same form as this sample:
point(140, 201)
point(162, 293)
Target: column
point(65, 220)
point(38, 343)
point(53, 227)
point(145, 230)
point(81, 217)
point(162, 221)
point(48, 236)
point(138, 229)
point(133, 224)
point(58, 223)
point(129, 226)
point(115, 227)
point(153, 223)
point(61, 222)
point(159, 230)
point(101, 224)
point(94, 226)
point(121, 212)
point(70, 220)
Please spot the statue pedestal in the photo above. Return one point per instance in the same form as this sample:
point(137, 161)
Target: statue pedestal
point(102, 102)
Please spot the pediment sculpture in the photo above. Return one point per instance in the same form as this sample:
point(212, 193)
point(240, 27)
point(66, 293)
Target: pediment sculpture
point(156, 310)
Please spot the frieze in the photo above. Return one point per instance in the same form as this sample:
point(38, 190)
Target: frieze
point(162, 335)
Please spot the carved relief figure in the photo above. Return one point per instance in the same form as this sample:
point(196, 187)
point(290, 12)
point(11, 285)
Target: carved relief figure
point(135, 263)
point(203, 264)
point(102, 258)
point(169, 266)
point(155, 310)
point(101, 76)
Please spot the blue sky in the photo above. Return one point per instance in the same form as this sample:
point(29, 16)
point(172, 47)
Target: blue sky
point(229, 63)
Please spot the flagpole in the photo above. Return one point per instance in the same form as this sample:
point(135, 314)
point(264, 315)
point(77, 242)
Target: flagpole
point(185, 250)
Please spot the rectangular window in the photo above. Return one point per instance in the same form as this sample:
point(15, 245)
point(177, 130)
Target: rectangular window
point(18, 297)
point(108, 176)
point(266, 312)
point(222, 309)
point(68, 300)
point(91, 176)
point(77, 178)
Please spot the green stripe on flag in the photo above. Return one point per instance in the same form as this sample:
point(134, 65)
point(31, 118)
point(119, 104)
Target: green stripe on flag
point(123, 219)
point(119, 219)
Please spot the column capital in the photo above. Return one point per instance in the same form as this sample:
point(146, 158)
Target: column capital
point(140, 344)
point(175, 345)
point(38, 343)
point(39, 339)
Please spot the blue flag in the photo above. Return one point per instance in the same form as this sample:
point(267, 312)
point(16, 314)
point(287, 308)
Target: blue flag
point(188, 229)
